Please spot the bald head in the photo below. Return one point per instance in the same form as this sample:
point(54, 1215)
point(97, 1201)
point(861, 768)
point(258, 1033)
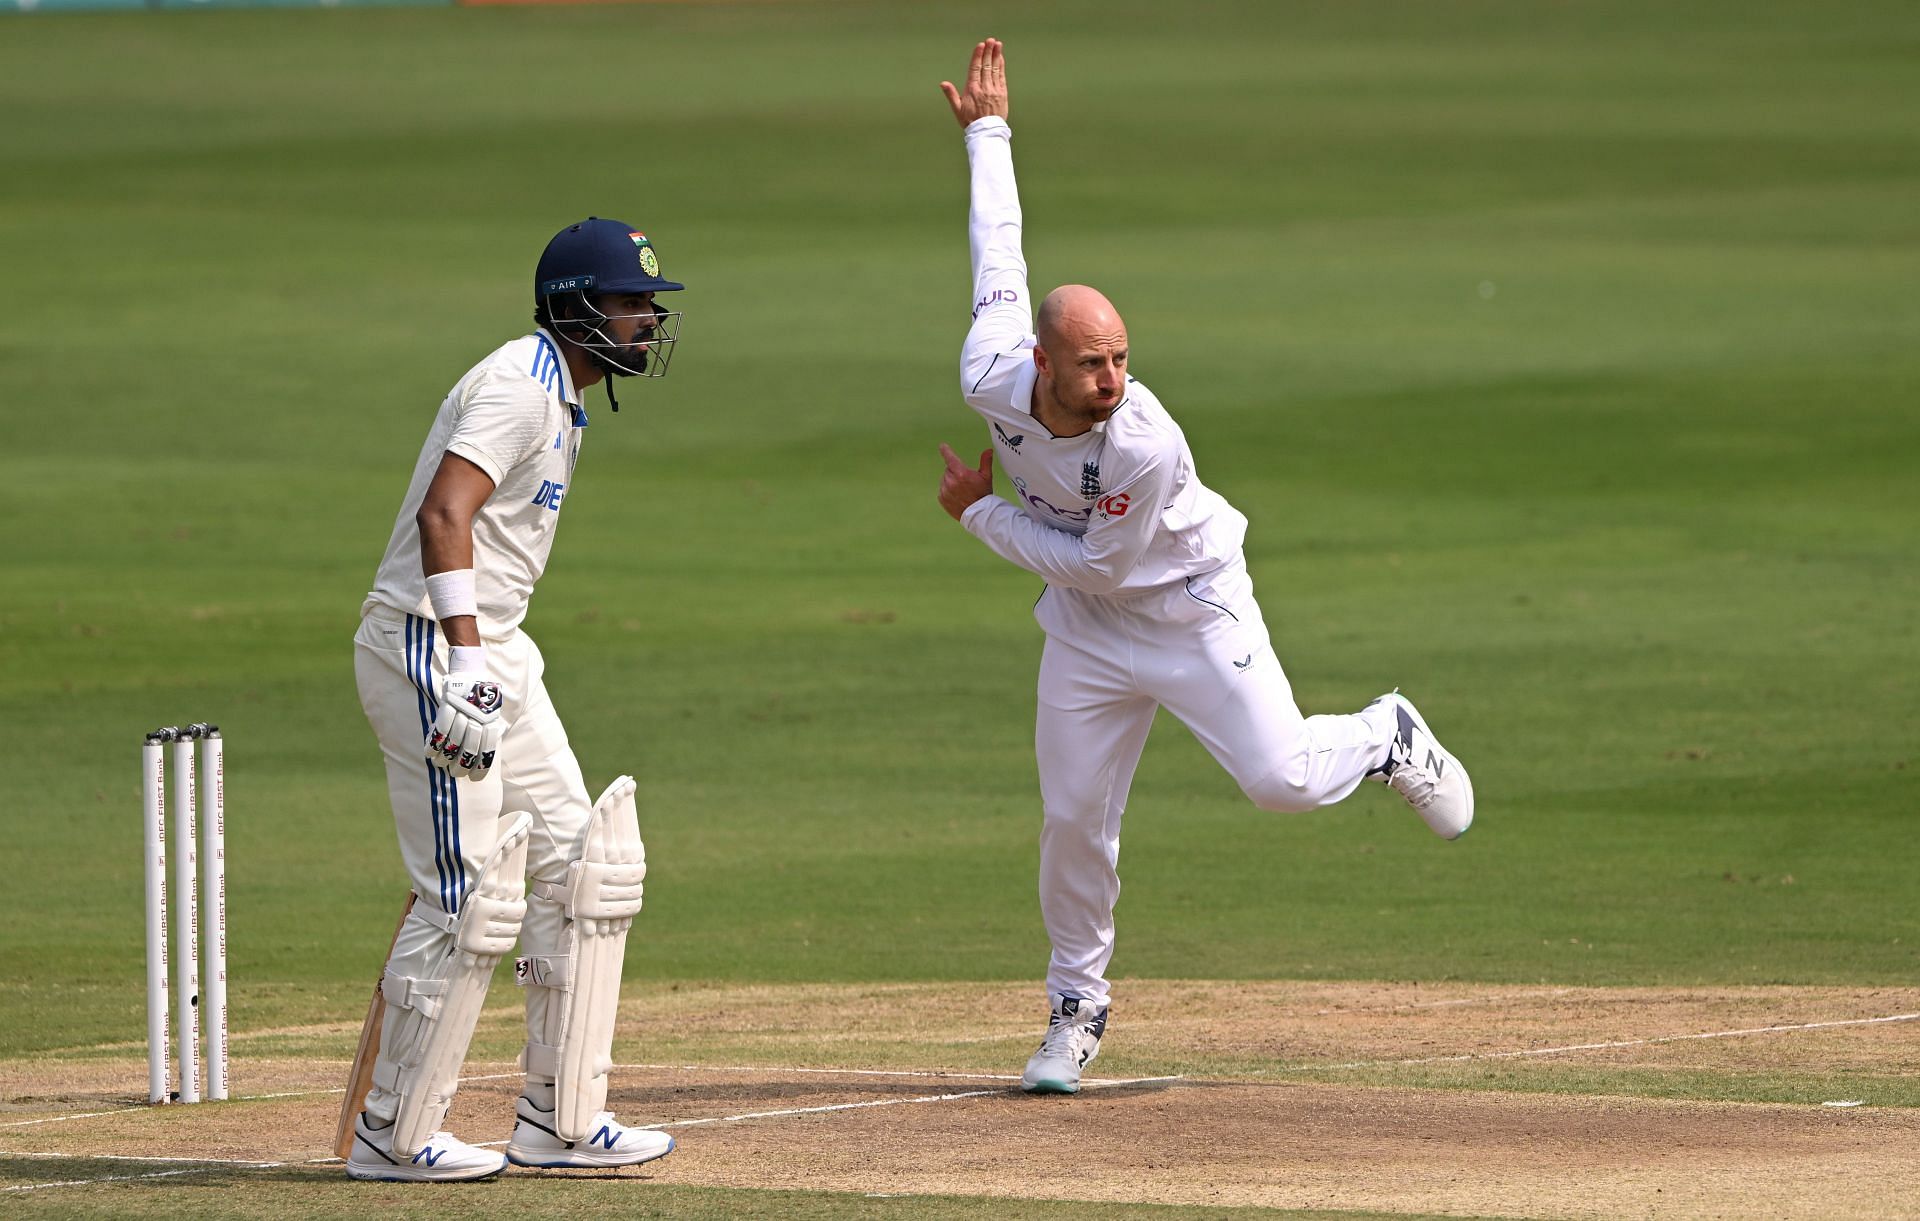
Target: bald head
point(1074, 314)
point(1082, 358)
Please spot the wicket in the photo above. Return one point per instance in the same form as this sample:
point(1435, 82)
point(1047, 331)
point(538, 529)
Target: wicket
point(196, 992)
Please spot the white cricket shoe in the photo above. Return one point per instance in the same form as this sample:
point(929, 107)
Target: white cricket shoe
point(1422, 771)
point(609, 1143)
point(1073, 1040)
point(443, 1159)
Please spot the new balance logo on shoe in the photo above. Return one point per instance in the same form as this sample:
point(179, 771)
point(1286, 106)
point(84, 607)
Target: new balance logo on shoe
point(604, 1138)
point(442, 1159)
point(1431, 779)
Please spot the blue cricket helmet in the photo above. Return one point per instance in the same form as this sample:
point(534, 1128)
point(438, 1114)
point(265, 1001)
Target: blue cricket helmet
point(587, 262)
point(600, 256)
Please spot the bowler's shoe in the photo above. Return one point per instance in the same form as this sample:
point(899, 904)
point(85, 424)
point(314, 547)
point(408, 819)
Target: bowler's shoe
point(1073, 1040)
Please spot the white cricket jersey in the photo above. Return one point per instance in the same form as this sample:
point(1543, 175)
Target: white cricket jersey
point(1117, 510)
point(516, 416)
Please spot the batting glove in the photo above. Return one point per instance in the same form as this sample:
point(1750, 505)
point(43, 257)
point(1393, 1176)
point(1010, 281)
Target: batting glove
point(467, 730)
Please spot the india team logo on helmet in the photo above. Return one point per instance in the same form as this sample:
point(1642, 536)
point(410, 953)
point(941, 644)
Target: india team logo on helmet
point(649, 262)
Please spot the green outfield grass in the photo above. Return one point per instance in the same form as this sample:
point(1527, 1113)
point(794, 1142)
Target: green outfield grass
point(1565, 358)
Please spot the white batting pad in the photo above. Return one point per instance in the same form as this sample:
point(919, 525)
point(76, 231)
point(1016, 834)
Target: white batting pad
point(602, 896)
point(431, 1020)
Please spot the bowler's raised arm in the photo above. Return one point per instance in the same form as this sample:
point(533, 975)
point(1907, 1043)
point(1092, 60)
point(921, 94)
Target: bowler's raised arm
point(986, 91)
point(1001, 303)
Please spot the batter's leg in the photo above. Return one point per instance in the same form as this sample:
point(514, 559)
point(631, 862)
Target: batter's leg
point(581, 898)
point(447, 829)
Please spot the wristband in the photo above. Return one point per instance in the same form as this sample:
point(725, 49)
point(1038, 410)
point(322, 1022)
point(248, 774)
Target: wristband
point(451, 594)
point(467, 659)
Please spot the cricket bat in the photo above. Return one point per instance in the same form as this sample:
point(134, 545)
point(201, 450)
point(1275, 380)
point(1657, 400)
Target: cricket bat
point(360, 1079)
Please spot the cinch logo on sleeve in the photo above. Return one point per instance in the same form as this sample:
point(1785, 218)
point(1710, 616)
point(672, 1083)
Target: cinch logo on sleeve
point(550, 494)
point(1006, 295)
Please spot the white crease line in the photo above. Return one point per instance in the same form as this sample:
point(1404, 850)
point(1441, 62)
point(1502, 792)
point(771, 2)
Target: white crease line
point(828, 1072)
point(838, 1106)
point(133, 1157)
point(28, 1123)
point(1554, 1051)
point(110, 1178)
point(859, 1106)
point(207, 1164)
point(884, 1102)
point(1109, 1082)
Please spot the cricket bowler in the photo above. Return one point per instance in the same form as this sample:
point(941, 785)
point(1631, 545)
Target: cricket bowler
point(1147, 601)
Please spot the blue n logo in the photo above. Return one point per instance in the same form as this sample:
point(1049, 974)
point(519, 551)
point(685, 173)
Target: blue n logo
point(430, 1156)
point(604, 1138)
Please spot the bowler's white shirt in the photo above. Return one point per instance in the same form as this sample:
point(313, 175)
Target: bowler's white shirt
point(516, 416)
point(1116, 510)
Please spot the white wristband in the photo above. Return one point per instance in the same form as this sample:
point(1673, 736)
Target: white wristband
point(467, 659)
point(451, 594)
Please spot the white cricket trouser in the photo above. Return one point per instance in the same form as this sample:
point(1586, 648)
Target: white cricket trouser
point(1201, 650)
point(447, 826)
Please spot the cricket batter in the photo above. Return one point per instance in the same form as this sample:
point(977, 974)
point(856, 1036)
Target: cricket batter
point(1147, 602)
point(496, 826)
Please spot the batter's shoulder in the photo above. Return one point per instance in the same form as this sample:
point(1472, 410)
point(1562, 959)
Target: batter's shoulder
point(521, 372)
point(531, 359)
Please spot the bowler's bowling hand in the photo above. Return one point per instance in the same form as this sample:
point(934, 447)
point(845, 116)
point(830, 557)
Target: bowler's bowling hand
point(986, 91)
